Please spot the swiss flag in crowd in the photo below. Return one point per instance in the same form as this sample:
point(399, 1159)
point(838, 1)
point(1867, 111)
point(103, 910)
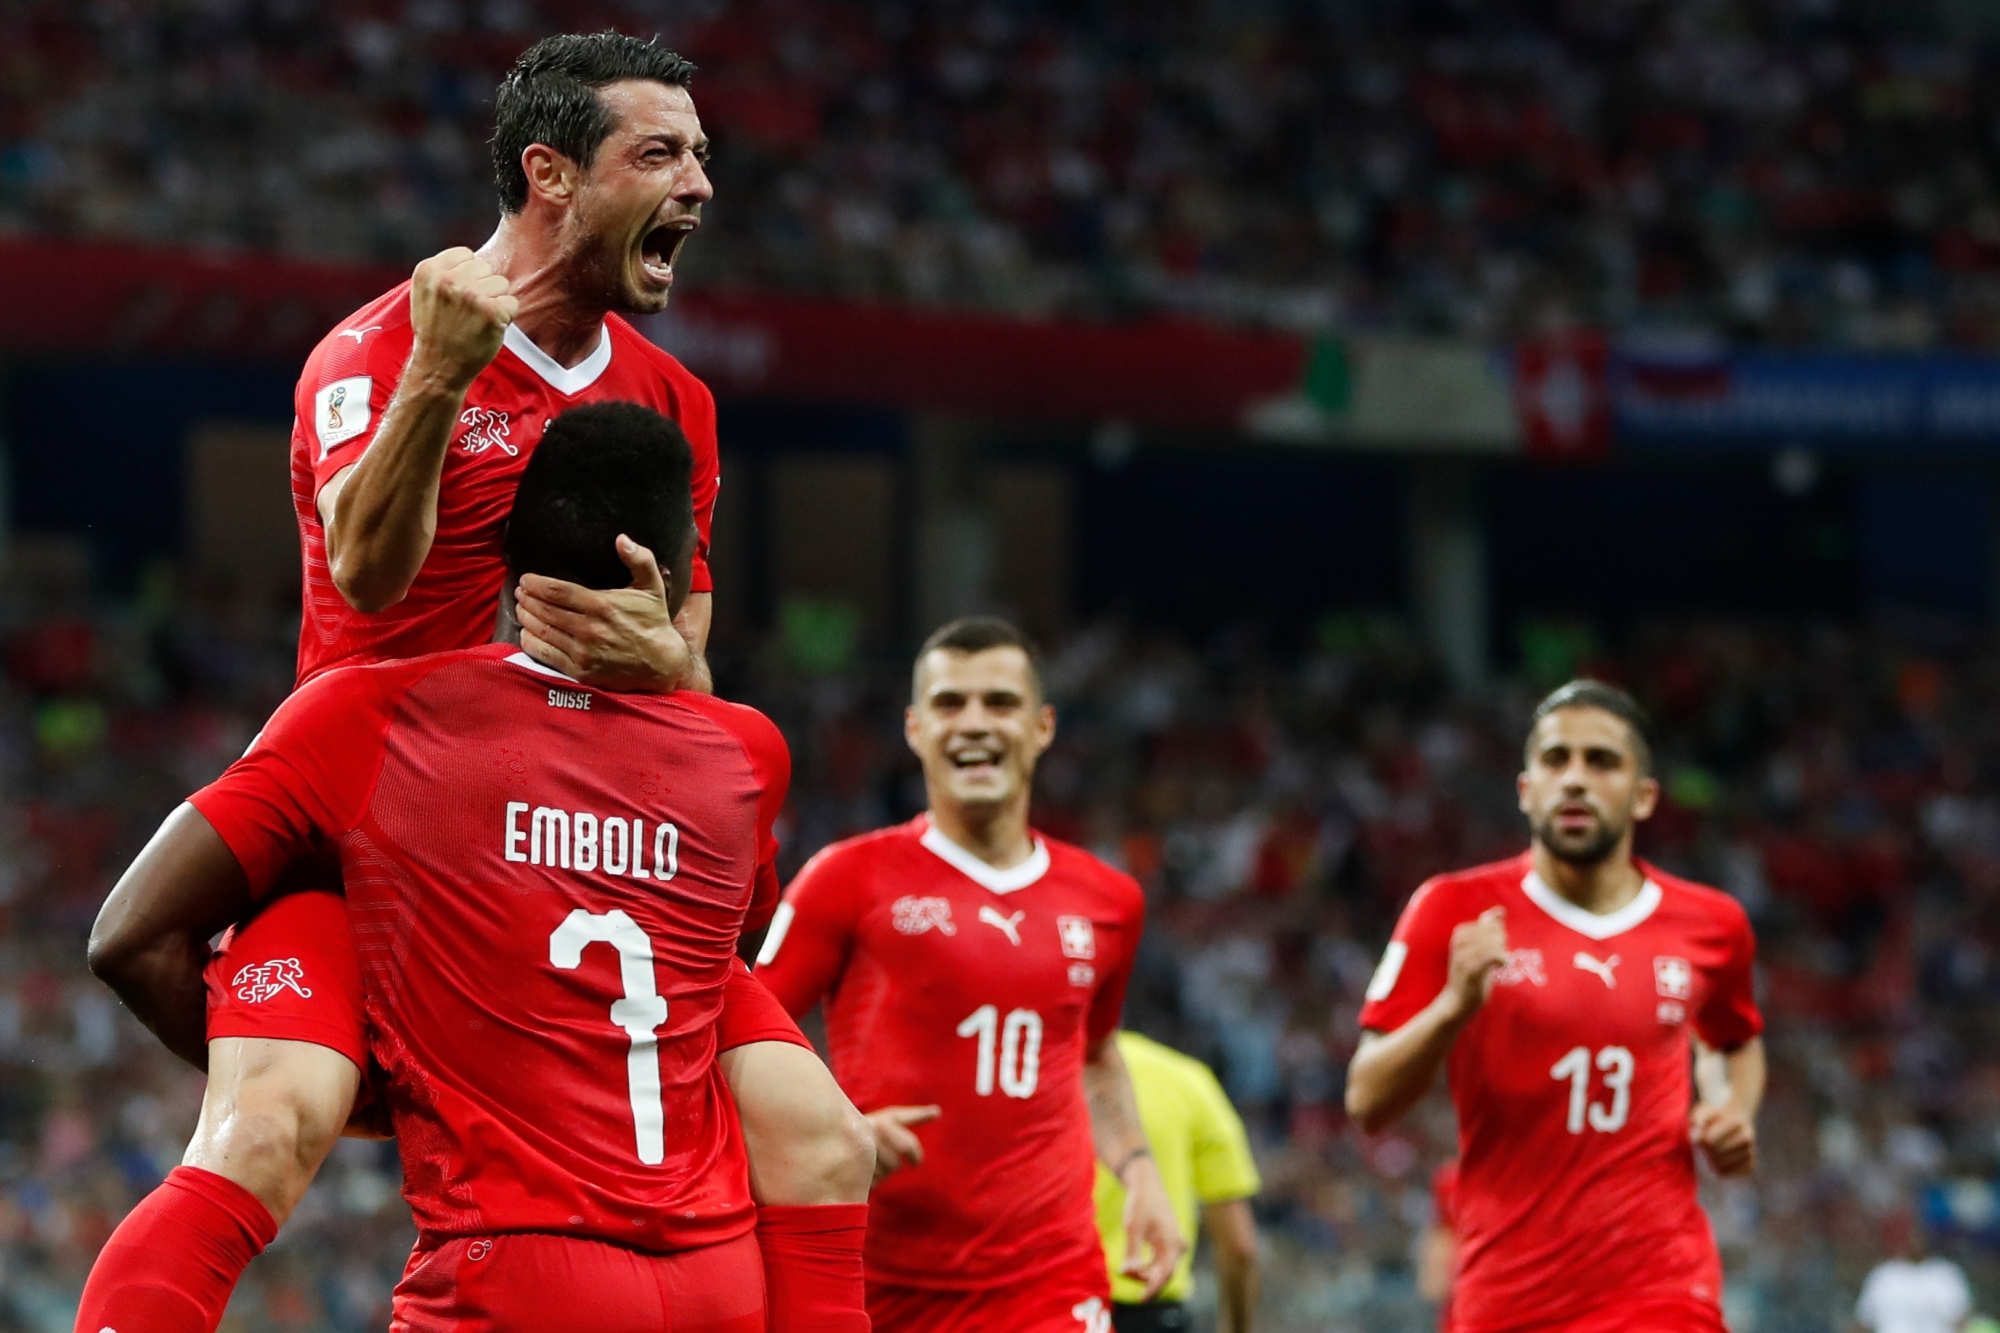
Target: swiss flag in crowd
point(1562, 391)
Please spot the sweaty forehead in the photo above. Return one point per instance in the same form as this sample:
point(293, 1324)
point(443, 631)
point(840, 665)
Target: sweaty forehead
point(1004, 668)
point(643, 107)
point(1582, 727)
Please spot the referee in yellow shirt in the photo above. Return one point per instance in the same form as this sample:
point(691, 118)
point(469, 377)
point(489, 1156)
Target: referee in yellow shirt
point(1204, 1158)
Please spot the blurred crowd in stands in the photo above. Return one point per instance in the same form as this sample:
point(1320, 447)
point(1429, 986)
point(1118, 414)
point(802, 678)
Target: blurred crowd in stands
point(1279, 806)
point(1789, 172)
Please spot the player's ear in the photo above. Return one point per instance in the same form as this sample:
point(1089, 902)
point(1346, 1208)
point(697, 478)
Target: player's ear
point(552, 176)
point(1521, 791)
point(1647, 799)
point(910, 729)
point(1045, 727)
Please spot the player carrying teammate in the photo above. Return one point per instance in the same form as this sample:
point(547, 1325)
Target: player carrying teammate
point(973, 973)
point(547, 883)
point(1561, 989)
point(414, 422)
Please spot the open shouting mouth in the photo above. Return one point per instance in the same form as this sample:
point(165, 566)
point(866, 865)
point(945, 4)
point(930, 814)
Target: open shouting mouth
point(661, 246)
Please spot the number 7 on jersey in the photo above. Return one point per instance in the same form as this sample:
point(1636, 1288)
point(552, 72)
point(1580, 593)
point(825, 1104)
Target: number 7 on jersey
point(641, 1013)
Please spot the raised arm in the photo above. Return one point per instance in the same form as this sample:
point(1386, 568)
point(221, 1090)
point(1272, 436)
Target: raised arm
point(381, 513)
point(1154, 1243)
point(1392, 1071)
point(150, 941)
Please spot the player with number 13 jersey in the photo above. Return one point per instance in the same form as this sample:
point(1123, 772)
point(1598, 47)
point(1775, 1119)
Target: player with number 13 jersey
point(1565, 1029)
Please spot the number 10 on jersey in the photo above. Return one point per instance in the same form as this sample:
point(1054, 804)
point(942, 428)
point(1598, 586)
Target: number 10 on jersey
point(1019, 1057)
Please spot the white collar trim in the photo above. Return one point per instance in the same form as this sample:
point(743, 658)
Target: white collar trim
point(522, 659)
point(564, 379)
point(976, 870)
point(1591, 924)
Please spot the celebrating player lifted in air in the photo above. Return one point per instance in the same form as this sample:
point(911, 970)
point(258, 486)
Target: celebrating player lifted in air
point(1562, 990)
point(415, 420)
point(547, 883)
point(973, 973)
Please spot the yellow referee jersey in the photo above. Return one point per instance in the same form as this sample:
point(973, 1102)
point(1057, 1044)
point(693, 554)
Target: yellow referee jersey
point(1198, 1139)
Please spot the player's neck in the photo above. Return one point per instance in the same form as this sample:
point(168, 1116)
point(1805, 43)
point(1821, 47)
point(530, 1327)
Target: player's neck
point(1600, 888)
point(553, 315)
point(1000, 837)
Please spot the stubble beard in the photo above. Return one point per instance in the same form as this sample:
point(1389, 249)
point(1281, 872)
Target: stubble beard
point(1591, 851)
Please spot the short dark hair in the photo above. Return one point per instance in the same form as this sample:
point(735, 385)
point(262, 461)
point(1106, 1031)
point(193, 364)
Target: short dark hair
point(976, 634)
point(550, 97)
point(600, 470)
point(1597, 694)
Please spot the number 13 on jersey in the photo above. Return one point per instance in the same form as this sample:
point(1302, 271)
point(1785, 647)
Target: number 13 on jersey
point(1615, 1063)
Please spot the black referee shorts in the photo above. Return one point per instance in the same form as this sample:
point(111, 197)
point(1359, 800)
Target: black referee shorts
point(1152, 1317)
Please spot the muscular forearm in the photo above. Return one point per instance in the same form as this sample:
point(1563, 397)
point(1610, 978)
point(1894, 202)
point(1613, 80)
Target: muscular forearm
point(696, 617)
point(1115, 1128)
point(385, 512)
point(1392, 1071)
point(150, 940)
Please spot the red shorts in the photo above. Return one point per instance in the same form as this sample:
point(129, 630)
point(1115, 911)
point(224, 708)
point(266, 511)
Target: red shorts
point(531, 1283)
point(1039, 1303)
point(290, 973)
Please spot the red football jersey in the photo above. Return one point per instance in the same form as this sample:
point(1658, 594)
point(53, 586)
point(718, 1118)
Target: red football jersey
point(953, 983)
point(1576, 1180)
point(546, 883)
point(348, 382)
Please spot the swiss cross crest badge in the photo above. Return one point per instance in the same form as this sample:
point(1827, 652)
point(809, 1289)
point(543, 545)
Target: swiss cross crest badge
point(1673, 978)
point(264, 981)
point(1078, 940)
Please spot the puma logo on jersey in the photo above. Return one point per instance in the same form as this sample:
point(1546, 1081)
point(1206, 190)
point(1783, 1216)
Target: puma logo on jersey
point(1010, 926)
point(359, 334)
point(914, 916)
point(264, 981)
point(1601, 970)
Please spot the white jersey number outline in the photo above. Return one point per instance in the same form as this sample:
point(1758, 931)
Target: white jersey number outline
point(1019, 1062)
point(1615, 1063)
point(641, 1012)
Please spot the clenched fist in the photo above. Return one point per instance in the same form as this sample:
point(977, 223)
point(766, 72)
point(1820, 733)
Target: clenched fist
point(1726, 1136)
point(459, 311)
point(1478, 952)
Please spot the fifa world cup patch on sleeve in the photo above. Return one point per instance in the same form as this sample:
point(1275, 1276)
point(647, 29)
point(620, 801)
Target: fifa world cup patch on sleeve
point(340, 411)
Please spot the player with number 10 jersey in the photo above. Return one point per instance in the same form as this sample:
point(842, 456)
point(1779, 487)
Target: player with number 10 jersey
point(978, 1000)
point(951, 984)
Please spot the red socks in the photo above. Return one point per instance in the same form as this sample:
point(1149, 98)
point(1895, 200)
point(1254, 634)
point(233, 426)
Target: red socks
point(812, 1267)
point(172, 1263)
